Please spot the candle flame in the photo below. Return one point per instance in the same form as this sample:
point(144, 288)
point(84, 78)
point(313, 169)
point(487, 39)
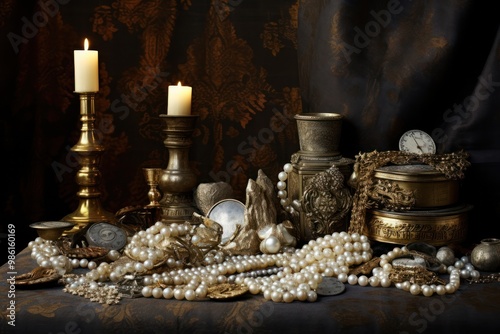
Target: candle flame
point(86, 44)
point(179, 84)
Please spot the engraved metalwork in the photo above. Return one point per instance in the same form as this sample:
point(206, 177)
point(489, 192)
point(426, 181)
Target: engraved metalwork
point(319, 132)
point(326, 202)
point(438, 227)
point(387, 195)
point(486, 255)
point(430, 188)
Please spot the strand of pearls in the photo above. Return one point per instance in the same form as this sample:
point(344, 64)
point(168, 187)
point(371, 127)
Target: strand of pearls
point(48, 255)
point(297, 276)
point(285, 202)
point(147, 248)
point(462, 268)
point(282, 277)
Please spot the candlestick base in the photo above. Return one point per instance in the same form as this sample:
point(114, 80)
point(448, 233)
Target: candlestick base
point(178, 181)
point(88, 211)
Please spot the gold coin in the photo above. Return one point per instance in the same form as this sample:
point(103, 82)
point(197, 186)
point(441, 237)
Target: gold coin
point(226, 291)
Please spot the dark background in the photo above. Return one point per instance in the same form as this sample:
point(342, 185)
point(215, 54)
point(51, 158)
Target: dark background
point(248, 61)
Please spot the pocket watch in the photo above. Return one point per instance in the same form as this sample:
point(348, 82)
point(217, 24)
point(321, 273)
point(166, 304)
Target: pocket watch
point(106, 235)
point(417, 141)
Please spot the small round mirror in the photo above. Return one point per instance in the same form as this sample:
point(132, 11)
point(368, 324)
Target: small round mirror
point(228, 213)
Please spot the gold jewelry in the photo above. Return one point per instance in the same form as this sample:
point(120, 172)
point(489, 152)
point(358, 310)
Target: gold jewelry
point(415, 275)
point(486, 278)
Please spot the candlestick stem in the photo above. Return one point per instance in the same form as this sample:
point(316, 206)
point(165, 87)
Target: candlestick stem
point(89, 151)
point(178, 180)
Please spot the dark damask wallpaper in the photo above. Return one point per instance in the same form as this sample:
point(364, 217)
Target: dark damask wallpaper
point(387, 66)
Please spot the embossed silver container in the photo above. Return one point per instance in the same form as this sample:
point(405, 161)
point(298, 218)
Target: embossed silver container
point(319, 132)
point(486, 255)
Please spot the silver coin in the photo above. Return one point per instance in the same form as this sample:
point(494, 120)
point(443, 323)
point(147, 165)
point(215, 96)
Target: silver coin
point(330, 286)
point(405, 262)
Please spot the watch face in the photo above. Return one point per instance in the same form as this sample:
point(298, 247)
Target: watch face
point(417, 141)
point(107, 235)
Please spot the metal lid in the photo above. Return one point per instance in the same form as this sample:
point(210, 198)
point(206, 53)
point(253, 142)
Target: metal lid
point(410, 172)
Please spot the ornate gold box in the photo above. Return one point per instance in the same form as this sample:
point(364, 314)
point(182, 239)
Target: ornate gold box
point(428, 187)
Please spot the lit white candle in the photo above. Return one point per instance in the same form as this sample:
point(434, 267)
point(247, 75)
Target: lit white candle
point(86, 70)
point(179, 100)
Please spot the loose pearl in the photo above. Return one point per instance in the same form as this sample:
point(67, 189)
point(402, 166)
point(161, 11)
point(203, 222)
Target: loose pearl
point(113, 255)
point(385, 282)
point(267, 294)
point(450, 288)
point(276, 296)
point(352, 279)
point(312, 296)
point(201, 291)
point(147, 291)
point(374, 281)
point(363, 280)
point(440, 290)
point(157, 292)
point(415, 289)
point(288, 297)
point(282, 176)
point(427, 290)
point(189, 294)
point(179, 293)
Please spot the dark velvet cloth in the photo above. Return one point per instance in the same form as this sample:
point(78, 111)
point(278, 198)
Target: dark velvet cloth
point(474, 308)
point(390, 66)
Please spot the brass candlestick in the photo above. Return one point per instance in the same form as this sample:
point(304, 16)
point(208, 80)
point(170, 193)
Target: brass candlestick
point(178, 180)
point(88, 177)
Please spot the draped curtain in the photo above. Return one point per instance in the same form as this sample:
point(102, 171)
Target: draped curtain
point(389, 66)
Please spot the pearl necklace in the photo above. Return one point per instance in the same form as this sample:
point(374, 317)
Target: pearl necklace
point(462, 268)
point(48, 255)
point(283, 277)
point(298, 273)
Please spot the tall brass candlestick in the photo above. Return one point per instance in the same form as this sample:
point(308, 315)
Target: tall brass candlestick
point(88, 177)
point(178, 179)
